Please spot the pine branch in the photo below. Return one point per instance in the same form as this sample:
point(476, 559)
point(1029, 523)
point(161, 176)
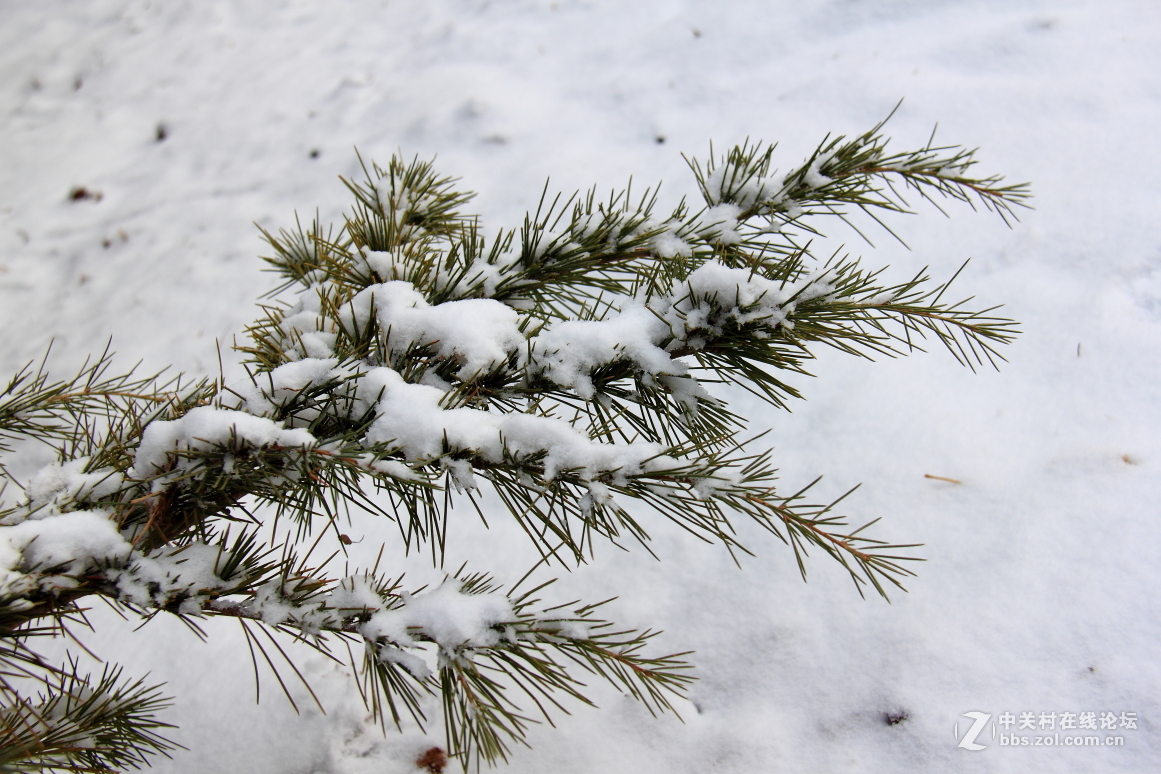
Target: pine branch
point(32, 406)
point(566, 366)
point(84, 725)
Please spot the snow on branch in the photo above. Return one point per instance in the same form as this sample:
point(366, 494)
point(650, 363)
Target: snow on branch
point(565, 367)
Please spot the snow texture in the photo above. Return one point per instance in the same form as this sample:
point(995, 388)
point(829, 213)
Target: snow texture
point(568, 351)
point(45, 550)
point(179, 125)
point(411, 420)
point(205, 428)
point(165, 574)
point(453, 619)
point(69, 481)
point(717, 295)
point(266, 392)
point(480, 333)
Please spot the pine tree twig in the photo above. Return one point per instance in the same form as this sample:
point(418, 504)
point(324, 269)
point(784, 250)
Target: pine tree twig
point(566, 366)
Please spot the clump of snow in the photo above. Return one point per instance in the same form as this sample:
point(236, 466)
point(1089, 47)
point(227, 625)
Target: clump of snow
point(65, 544)
point(154, 579)
point(718, 294)
point(687, 391)
point(12, 581)
point(453, 619)
point(721, 222)
point(585, 225)
point(665, 239)
point(462, 476)
point(59, 483)
point(411, 419)
point(480, 277)
point(571, 629)
point(355, 593)
point(549, 241)
point(730, 184)
point(393, 468)
point(205, 428)
point(400, 202)
point(487, 275)
point(385, 265)
point(305, 331)
point(814, 177)
point(268, 390)
point(881, 299)
point(271, 605)
point(479, 333)
point(389, 654)
point(567, 352)
point(274, 603)
point(667, 244)
point(734, 287)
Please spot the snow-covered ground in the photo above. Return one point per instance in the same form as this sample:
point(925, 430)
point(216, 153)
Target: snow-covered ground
point(187, 122)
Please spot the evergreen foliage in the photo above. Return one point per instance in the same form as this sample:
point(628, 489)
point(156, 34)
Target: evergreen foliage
point(414, 362)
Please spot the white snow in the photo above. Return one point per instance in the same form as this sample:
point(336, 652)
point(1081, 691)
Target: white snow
point(412, 421)
point(687, 391)
point(670, 245)
point(814, 177)
point(567, 352)
point(479, 333)
point(204, 428)
point(729, 181)
point(1037, 593)
point(716, 294)
point(453, 619)
point(67, 543)
point(69, 481)
point(721, 221)
point(165, 573)
point(305, 333)
point(267, 391)
point(392, 468)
